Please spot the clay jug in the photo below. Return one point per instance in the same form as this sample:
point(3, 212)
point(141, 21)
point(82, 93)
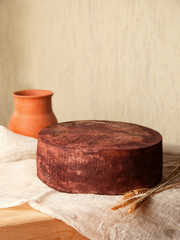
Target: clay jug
point(32, 112)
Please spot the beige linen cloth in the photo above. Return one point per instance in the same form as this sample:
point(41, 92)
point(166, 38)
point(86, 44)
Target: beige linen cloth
point(90, 214)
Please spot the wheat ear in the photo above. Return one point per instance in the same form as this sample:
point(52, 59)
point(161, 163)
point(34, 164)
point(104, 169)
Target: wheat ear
point(141, 190)
point(140, 200)
point(128, 195)
point(137, 196)
point(137, 202)
point(123, 204)
point(132, 193)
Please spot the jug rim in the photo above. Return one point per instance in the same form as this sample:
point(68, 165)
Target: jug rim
point(32, 93)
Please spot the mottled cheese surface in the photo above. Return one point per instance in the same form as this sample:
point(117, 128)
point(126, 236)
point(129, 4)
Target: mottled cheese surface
point(100, 135)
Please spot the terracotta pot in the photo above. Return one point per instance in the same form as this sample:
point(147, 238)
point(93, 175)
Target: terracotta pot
point(32, 112)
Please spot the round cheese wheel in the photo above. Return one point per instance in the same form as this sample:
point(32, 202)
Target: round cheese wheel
point(101, 157)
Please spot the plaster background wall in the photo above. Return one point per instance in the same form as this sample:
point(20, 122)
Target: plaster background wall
point(104, 59)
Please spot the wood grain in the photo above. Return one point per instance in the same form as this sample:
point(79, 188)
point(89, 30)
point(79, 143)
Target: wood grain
point(24, 223)
point(112, 60)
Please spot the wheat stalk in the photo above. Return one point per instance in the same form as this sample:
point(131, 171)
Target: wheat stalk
point(138, 196)
point(132, 198)
point(140, 200)
point(172, 171)
point(169, 187)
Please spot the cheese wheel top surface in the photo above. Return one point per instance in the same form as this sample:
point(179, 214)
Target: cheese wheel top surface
point(99, 135)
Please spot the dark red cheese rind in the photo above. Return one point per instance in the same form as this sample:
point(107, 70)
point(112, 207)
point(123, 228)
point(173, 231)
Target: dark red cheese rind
point(99, 157)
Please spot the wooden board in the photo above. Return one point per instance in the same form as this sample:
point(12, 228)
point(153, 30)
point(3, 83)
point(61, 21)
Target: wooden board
point(24, 223)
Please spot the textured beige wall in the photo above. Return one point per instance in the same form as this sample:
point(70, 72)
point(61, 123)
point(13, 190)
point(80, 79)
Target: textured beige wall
point(104, 59)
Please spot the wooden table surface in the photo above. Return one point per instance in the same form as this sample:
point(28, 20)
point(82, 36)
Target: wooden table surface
point(24, 223)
